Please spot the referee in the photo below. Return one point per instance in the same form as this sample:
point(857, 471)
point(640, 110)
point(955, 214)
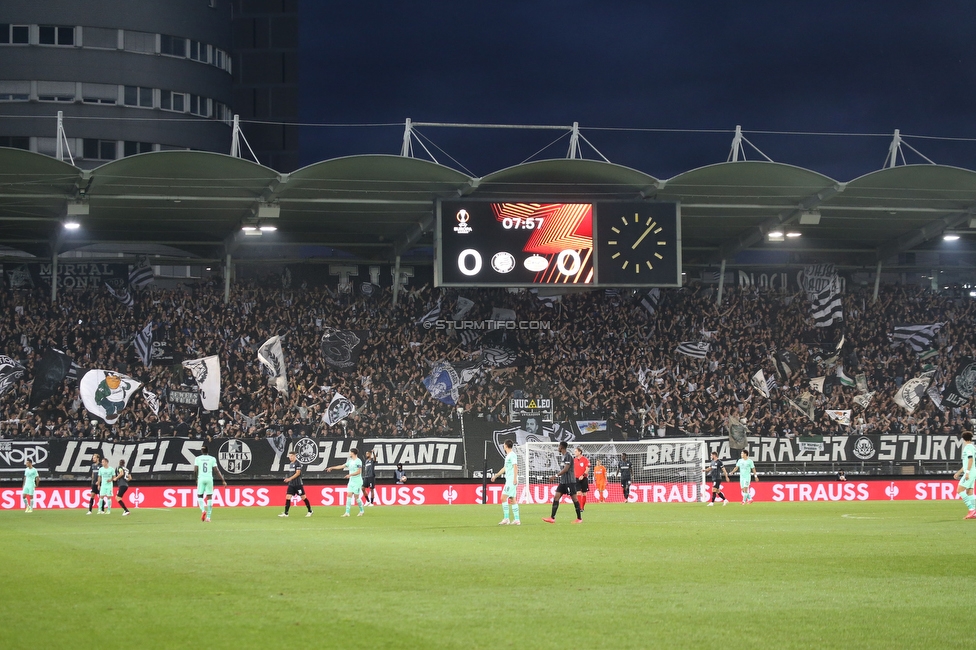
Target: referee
point(295, 486)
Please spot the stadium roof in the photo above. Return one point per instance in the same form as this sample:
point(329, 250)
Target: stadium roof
point(378, 206)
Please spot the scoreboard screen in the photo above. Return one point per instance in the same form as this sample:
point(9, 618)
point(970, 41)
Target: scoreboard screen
point(544, 243)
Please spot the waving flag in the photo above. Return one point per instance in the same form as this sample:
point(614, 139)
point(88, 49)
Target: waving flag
point(696, 349)
point(272, 357)
point(206, 372)
point(144, 345)
point(49, 372)
point(446, 379)
point(759, 383)
point(10, 372)
point(141, 276)
point(341, 348)
point(339, 409)
point(918, 337)
point(106, 393)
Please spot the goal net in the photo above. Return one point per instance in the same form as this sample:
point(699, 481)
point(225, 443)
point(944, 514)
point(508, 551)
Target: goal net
point(661, 471)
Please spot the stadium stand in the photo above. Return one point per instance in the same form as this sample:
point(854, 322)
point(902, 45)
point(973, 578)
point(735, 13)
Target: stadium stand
point(604, 356)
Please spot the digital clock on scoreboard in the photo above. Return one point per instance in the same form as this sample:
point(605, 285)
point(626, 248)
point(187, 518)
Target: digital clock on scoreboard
point(539, 243)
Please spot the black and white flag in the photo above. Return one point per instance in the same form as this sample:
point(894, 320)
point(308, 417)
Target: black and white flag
point(918, 337)
point(502, 356)
point(696, 349)
point(339, 409)
point(120, 291)
point(152, 400)
point(786, 364)
point(961, 387)
point(141, 276)
point(822, 285)
point(503, 314)
point(827, 308)
point(910, 394)
point(468, 336)
point(431, 315)
point(864, 399)
point(842, 417)
point(462, 308)
point(144, 344)
point(10, 372)
point(341, 348)
point(759, 383)
point(651, 300)
point(74, 372)
point(272, 357)
point(206, 372)
point(805, 406)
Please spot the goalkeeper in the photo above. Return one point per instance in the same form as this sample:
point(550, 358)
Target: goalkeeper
point(600, 479)
point(510, 493)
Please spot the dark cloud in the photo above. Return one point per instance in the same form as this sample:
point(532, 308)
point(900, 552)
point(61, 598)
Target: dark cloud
point(823, 67)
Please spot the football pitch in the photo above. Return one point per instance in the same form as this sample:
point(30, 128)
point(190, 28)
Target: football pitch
point(767, 575)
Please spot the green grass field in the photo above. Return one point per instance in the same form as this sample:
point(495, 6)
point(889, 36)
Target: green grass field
point(840, 575)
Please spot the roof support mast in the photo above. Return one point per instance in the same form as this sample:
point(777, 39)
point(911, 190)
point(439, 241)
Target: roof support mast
point(235, 143)
point(62, 141)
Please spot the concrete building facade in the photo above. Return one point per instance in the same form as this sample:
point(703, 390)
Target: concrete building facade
point(129, 77)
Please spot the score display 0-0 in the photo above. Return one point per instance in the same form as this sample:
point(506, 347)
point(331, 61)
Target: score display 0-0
point(523, 243)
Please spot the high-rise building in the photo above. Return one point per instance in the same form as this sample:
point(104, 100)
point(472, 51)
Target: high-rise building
point(266, 78)
point(129, 77)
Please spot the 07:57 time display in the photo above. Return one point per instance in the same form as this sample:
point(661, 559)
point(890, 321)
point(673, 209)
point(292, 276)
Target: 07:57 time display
point(515, 244)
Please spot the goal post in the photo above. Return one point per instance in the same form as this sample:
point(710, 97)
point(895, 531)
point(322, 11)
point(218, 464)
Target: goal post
point(662, 471)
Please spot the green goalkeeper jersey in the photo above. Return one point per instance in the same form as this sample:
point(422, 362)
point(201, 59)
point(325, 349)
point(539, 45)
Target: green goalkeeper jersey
point(511, 461)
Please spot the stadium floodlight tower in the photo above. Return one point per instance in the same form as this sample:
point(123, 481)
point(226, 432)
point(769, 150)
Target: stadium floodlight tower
point(663, 471)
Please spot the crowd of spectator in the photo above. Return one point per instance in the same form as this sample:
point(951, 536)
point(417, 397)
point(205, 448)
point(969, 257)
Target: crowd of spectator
point(599, 355)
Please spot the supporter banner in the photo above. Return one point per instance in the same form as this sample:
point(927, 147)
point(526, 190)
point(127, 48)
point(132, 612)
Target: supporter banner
point(442, 455)
point(788, 280)
point(849, 449)
point(472, 494)
point(183, 397)
point(13, 454)
point(71, 277)
point(426, 457)
point(256, 458)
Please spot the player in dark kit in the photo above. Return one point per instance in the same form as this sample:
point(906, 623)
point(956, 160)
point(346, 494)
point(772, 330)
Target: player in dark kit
point(95, 466)
point(714, 473)
point(624, 467)
point(295, 485)
point(369, 478)
point(122, 479)
point(567, 485)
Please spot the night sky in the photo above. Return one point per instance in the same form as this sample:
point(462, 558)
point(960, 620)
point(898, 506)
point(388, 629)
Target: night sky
point(776, 66)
